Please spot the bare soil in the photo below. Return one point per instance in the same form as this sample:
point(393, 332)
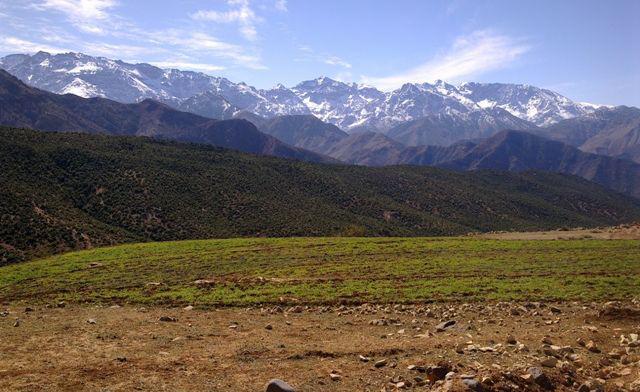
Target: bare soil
point(90, 348)
point(622, 232)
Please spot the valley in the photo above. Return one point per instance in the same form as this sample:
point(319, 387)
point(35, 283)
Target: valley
point(169, 222)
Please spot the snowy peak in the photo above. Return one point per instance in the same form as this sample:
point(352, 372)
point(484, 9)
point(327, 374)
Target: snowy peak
point(347, 105)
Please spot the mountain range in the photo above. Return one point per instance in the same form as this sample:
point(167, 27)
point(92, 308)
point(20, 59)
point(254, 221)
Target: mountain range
point(65, 191)
point(24, 106)
point(350, 106)
point(467, 127)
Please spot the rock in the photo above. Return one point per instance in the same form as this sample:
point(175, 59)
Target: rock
point(381, 363)
point(549, 362)
point(4, 314)
point(547, 340)
point(188, 308)
point(362, 358)
point(594, 385)
point(17, 323)
point(591, 346)
point(511, 340)
point(268, 327)
point(61, 304)
point(168, 319)
point(28, 309)
point(335, 376)
point(472, 384)
point(276, 385)
point(438, 372)
point(538, 377)
point(555, 309)
point(91, 321)
point(443, 326)
point(121, 359)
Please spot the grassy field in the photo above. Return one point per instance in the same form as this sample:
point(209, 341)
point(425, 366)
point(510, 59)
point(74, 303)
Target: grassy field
point(332, 270)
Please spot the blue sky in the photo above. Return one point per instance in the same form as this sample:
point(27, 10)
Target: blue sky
point(587, 50)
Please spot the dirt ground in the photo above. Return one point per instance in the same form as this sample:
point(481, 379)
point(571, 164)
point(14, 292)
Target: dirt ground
point(363, 348)
point(622, 232)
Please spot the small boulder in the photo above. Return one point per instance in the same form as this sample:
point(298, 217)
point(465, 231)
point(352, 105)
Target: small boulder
point(538, 377)
point(276, 385)
point(445, 325)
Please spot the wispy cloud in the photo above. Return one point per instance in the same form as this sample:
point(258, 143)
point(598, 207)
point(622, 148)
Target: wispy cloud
point(474, 54)
point(86, 15)
point(242, 14)
point(18, 45)
point(196, 42)
point(335, 60)
point(308, 54)
point(281, 5)
point(186, 65)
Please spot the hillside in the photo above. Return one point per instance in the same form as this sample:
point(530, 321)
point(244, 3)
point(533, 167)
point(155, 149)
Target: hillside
point(520, 151)
point(24, 106)
point(607, 131)
point(67, 191)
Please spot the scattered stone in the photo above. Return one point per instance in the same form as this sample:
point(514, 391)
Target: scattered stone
point(95, 265)
point(121, 359)
point(472, 384)
point(555, 309)
point(17, 323)
point(335, 376)
point(538, 377)
point(511, 340)
point(549, 362)
point(594, 385)
point(381, 363)
point(445, 325)
point(268, 327)
point(168, 319)
point(547, 340)
point(438, 372)
point(188, 308)
point(362, 358)
point(28, 309)
point(276, 385)
point(91, 321)
point(591, 346)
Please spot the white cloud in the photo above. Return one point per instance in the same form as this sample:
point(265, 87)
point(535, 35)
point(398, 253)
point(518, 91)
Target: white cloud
point(189, 66)
point(244, 16)
point(335, 60)
point(202, 43)
point(18, 45)
point(308, 54)
point(470, 55)
point(86, 15)
point(281, 5)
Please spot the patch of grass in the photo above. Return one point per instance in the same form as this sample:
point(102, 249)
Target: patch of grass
point(332, 270)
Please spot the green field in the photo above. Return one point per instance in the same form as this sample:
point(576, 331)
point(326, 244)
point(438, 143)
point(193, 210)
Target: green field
point(331, 270)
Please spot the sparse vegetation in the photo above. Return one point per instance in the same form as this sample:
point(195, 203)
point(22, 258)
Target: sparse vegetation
point(331, 270)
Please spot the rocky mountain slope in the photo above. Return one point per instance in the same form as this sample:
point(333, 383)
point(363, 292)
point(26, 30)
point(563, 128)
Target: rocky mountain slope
point(606, 131)
point(24, 106)
point(520, 151)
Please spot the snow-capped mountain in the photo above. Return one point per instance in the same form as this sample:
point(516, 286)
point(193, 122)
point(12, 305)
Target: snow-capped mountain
point(350, 106)
point(540, 106)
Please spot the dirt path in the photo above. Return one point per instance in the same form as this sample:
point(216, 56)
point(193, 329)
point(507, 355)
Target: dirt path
point(622, 232)
point(124, 348)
